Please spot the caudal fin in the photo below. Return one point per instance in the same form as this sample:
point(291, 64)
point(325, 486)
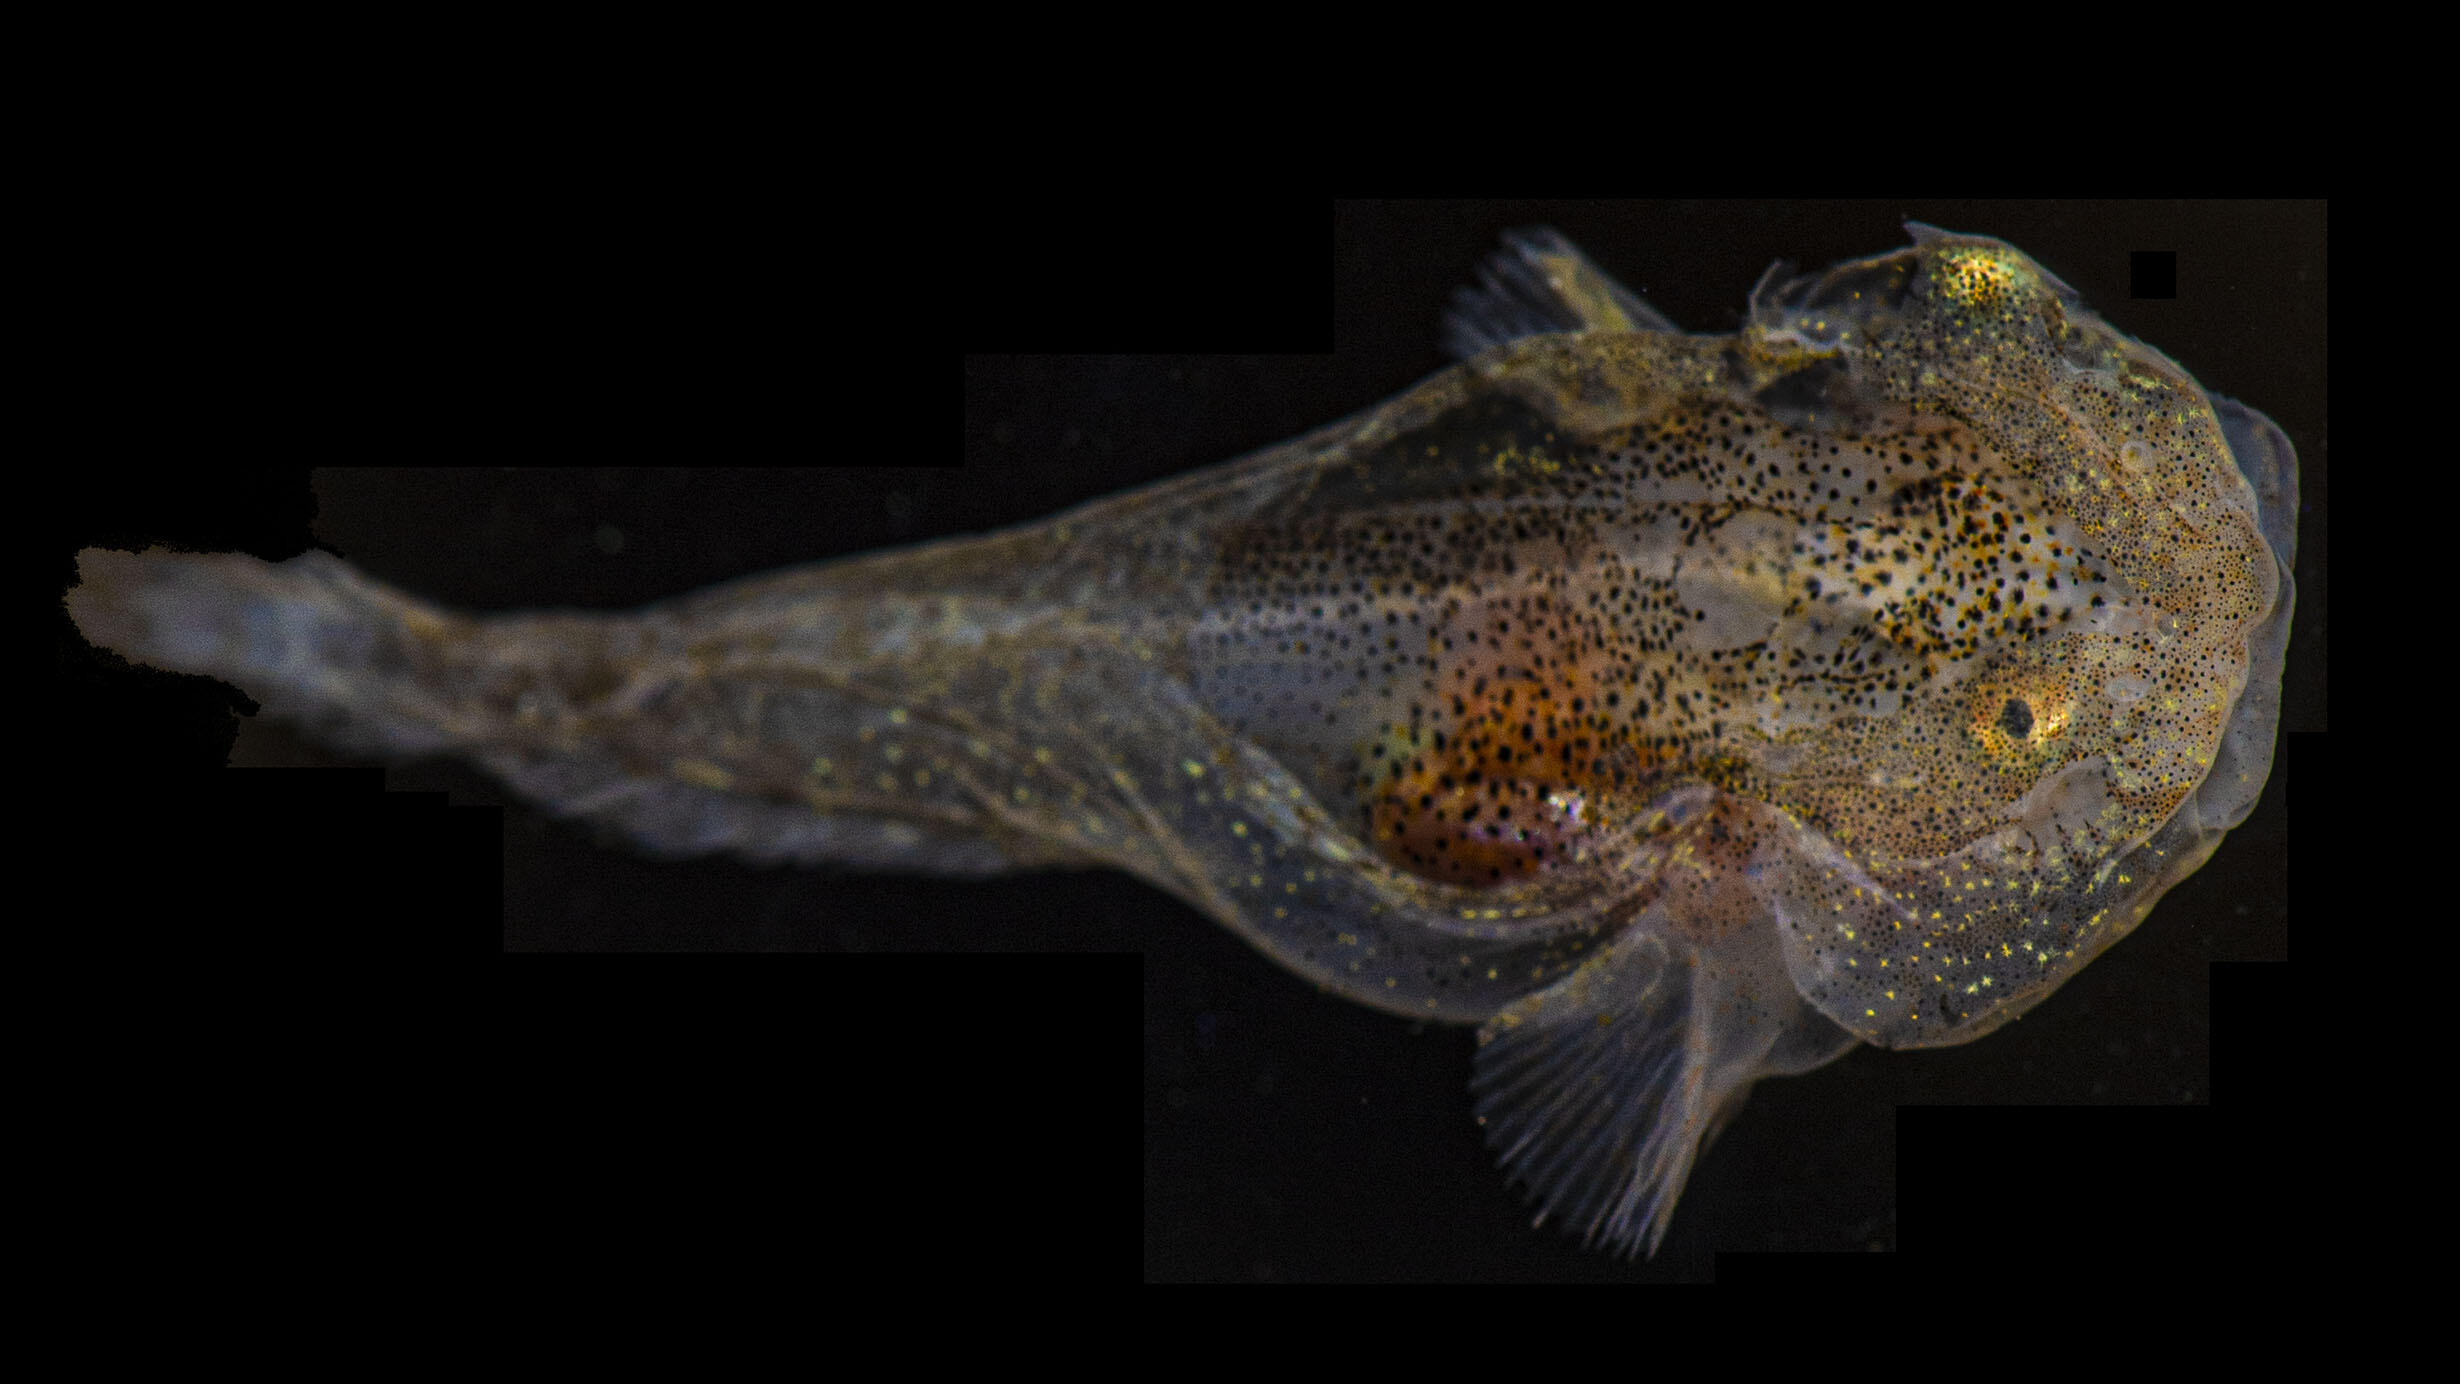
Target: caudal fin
point(311, 638)
point(688, 731)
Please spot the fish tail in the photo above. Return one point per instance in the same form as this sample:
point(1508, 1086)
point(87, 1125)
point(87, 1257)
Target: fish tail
point(827, 722)
point(312, 638)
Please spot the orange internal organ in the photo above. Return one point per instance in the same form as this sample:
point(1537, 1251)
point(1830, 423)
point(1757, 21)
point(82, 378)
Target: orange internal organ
point(1503, 791)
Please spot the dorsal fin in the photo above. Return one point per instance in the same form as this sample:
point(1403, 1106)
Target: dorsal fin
point(1540, 283)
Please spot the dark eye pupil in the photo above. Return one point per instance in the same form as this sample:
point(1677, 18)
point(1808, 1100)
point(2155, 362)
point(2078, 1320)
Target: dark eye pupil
point(2016, 718)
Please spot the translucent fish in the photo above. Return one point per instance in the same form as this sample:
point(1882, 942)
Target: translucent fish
point(1679, 710)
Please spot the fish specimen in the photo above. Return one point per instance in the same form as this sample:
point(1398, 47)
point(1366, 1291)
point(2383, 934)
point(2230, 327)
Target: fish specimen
point(1677, 709)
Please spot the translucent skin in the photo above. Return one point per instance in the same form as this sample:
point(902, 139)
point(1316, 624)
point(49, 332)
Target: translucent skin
point(1883, 663)
point(1858, 676)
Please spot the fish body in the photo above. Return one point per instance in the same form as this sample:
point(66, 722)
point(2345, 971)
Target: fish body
point(1582, 693)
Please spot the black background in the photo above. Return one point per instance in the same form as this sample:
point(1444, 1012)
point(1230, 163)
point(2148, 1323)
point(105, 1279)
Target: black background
point(1285, 1134)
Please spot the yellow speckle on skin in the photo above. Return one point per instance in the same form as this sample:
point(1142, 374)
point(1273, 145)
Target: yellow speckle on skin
point(702, 774)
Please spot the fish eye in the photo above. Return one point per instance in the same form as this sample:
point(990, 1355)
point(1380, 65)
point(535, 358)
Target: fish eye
point(2016, 718)
point(2021, 720)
